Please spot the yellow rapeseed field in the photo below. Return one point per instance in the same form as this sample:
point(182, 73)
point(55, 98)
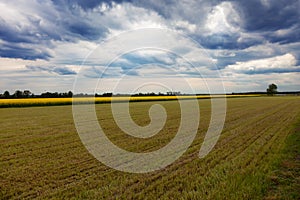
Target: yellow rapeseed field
point(68, 101)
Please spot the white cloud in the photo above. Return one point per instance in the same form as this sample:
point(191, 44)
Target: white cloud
point(223, 19)
point(184, 26)
point(266, 3)
point(11, 14)
point(10, 64)
point(285, 32)
point(151, 41)
point(277, 64)
point(122, 17)
point(16, 75)
point(67, 52)
point(266, 49)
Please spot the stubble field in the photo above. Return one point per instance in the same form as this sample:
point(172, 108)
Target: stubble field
point(256, 157)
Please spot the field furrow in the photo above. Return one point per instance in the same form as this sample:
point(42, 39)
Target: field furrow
point(41, 155)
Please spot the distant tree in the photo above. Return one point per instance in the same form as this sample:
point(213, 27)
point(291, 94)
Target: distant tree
point(6, 94)
point(70, 94)
point(272, 89)
point(49, 95)
point(108, 94)
point(26, 93)
point(18, 94)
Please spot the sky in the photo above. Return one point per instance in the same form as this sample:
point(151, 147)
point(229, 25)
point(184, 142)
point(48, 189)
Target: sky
point(149, 45)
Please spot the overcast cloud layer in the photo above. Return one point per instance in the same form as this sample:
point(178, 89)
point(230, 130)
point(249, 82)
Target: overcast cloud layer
point(253, 43)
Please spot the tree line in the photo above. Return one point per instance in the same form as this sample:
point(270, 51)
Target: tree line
point(271, 90)
point(28, 94)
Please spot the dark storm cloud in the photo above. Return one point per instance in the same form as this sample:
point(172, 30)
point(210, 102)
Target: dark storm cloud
point(17, 50)
point(52, 69)
point(262, 17)
point(86, 31)
point(191, 10)
point(271, 15)
point(63, 71)
point(225, 41)
point(11, 33)
point(34, 35)
point(285, 36)
point(136, 59)
point(277, 21)
point(89, 4)
point(23, 42)
point(31, 36)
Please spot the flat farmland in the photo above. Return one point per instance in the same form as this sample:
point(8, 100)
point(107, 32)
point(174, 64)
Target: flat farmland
point(256, 157)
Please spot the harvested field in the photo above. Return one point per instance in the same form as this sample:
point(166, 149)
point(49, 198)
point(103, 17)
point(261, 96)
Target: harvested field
point(41, 155)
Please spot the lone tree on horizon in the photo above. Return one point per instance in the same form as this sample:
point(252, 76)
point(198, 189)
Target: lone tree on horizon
point(272, 89)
